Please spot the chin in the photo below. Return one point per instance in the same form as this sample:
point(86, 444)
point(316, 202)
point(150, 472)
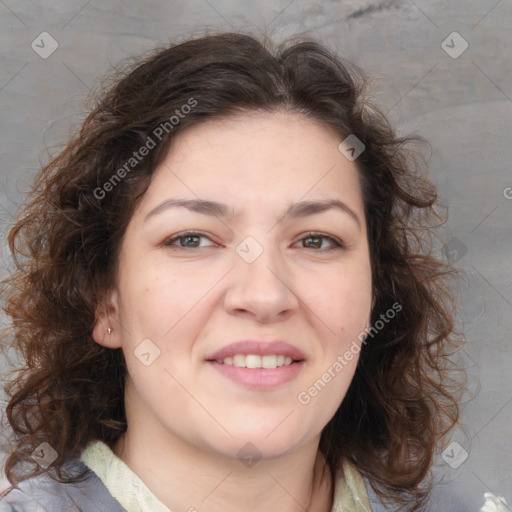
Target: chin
point(252, 446)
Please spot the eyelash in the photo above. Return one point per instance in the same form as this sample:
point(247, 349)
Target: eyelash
point(169, 242)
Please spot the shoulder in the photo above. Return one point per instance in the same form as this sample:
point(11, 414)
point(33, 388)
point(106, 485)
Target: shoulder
point(441, 498)
point(45, 494)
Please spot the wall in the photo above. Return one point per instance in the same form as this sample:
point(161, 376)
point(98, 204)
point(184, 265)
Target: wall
point(459, 98)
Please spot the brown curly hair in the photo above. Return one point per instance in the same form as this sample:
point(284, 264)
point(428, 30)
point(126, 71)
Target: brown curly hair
point(65, 243)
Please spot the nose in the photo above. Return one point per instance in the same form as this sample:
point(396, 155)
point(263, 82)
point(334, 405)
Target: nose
point(263, 289)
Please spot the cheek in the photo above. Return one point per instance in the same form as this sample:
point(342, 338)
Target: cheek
point(169, 308)
point(158, 299)
point(342, 299)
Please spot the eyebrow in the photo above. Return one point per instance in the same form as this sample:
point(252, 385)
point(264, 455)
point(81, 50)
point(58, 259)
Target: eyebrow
point(214, 208)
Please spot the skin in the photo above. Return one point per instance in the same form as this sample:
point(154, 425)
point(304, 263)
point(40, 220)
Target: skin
point(186, 421)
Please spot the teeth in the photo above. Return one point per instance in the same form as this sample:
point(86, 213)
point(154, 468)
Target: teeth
point(238, 360)
point(255, 361)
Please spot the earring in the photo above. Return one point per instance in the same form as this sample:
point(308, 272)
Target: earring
point(109, 330)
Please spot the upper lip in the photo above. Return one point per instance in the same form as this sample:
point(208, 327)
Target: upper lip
point(256, 347)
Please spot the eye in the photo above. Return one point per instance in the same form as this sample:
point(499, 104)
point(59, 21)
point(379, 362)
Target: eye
point(191, 240)
point(315, 241)
point(186, 240)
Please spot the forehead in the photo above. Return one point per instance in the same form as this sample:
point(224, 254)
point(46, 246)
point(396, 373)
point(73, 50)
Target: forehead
point(248, 134)
point(258, 157)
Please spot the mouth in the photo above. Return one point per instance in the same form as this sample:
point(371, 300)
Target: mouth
point(253, 375)
point(256, 361)
point(258, 364)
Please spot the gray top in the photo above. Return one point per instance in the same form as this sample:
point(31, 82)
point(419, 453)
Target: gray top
point(43, 494)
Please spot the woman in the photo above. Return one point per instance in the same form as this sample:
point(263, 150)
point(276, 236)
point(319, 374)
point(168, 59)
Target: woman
point(225, 298)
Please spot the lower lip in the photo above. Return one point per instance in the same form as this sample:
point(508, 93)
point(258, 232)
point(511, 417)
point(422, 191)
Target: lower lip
point(259, 378)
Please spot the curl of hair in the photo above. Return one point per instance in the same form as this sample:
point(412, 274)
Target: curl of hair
point(65, 242)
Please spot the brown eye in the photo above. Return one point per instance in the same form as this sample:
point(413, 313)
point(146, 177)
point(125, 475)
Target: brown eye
point(187, 240)
point(315, 241)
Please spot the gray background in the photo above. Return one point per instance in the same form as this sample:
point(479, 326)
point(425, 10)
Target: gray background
point(462, 105)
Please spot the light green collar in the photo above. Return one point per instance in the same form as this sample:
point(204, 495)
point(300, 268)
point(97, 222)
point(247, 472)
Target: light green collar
point(130, 491)
point(124, 485)
point(350, 494)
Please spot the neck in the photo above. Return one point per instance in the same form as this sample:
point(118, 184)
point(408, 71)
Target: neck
point(185, 478)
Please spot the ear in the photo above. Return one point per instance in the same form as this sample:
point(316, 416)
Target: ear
point(107, 319)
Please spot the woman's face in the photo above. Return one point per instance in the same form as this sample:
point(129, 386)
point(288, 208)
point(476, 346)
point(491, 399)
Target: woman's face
point(249, 272)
